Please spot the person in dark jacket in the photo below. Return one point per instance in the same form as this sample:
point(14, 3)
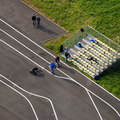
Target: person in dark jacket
point(38, 21)
point(82, 30)
point(67, 55)
point(34, 19)
point(61, 49)
point(57, 59)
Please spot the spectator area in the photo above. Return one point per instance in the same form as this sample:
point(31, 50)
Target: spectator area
point(87, 46)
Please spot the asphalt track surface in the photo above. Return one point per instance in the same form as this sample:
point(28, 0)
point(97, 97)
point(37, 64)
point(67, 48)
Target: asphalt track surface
point(68, 95)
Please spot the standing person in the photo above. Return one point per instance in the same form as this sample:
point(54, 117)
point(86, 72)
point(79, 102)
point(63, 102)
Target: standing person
point(66, 50)
point(82, 30)
point(67, 55)
point(52, 66)
point(57, 59)
point(38, 21)
point(34, 19)
point(61, 49)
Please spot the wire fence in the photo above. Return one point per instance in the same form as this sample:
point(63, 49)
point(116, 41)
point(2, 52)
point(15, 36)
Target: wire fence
point(74, 39)
point(89, 31)
point(94, 34)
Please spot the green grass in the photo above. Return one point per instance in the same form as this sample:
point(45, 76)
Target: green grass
point(102, 15)
point(111, 82)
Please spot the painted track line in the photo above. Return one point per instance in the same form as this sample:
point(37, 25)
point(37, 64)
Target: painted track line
point(24, 45)
point(23, 55)
point(54, 57)
point(84, 88)
point(96, 96)
point(43, 97)
point(69, 79)
point(95, 105)
point(23, 97)
point(46, 70)
point(31, 51)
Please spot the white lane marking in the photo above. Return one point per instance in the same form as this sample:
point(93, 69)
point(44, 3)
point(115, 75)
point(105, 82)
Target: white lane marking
point(94, 105)
point(35, 54)
point(37, 64)
point(23, 97)
point(24, 45)
point(70, 77)
point(23, 55)
point(96, 96)
point(32, 62)
point(29, 49)
point(33, 95)
point(54, 57)
point(90, 91)
point(61, 71)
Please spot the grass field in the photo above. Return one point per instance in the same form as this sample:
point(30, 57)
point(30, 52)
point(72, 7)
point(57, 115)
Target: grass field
point(102, 15)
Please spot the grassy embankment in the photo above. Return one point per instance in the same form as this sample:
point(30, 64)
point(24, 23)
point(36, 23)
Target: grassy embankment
point(74, 14)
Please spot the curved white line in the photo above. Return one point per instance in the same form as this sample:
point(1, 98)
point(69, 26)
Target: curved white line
point(95, 105)
point(49, 72)
point(32, 94)
point(23, 97)
point(96, 96)
point(65, 64)
point(54, 57)
point(96, 84)
point(37, 65)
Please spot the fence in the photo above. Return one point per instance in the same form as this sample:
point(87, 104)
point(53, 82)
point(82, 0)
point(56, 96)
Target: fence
point(91, 32)
point(74, 39)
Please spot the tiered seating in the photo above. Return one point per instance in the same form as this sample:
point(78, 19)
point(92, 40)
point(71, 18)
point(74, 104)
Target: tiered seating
point(107, 53)
point(82, 67)
point(96, 57)
point(85, 57)
point(85, 63)
point(103, 57)
point(101, 50)
point(108, 47)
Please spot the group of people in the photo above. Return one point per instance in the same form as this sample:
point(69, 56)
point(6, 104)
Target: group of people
point(52, 66)
point(54, 63)
point(65, 52)
point(36, 20)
